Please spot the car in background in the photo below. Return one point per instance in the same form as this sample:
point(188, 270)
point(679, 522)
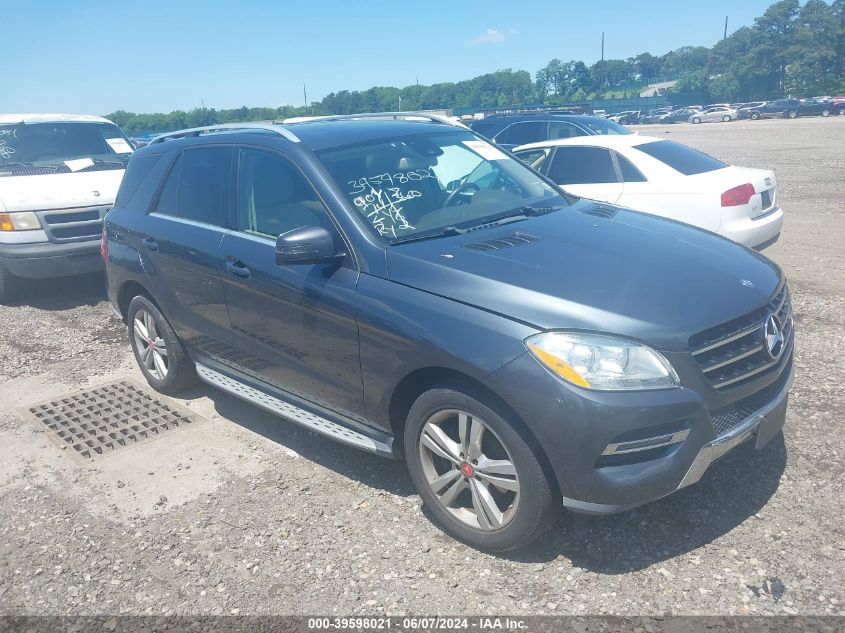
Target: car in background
point(510, 130)
point(710, 115)
point(819, 107)
point(408, 289)
point(664, 178)
point(681, 115)
point(653, 116)
point(59, 174)
point(777, 109)
point(746, 109)
point(839, 99)
point(617, 118)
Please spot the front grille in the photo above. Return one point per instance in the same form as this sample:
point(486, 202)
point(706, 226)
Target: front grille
point(73, 225)
point(735, 352)
point(726, 418)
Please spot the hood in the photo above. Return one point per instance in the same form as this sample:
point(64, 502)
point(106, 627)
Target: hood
point(59, 191)
point(630, 274)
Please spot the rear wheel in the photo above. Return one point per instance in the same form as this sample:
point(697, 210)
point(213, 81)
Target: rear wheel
point(696, 120)
point(726, 118)
point(825, 113)
point(791, 114)
point(158, 351)
point(755, 116)
point(477, 474)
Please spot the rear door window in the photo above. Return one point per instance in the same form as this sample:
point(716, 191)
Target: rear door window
point(197, 187)
point(582, 166)
point(562, 129)
point(681, 158)
point(522, 133)
point(628, 171)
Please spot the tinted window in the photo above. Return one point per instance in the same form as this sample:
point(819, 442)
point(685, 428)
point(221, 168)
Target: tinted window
point(197, 186)
point(485, 129)
point(582, 165)
point(681, 158)
point(562, 129)
point(274, 197)
point(136, 171)
point(521, 133)
point(629, 172)
point(605, 126)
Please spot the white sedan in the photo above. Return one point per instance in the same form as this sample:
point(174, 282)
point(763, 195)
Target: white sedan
point(714, 114)
point(664, 178)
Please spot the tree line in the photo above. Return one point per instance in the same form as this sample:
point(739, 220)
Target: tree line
point(791, 50)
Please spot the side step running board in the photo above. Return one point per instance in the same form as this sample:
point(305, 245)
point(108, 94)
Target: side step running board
point(308, 419)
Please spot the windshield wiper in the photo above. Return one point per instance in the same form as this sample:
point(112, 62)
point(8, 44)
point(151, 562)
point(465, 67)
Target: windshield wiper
point(446, 231)
point(516, 215)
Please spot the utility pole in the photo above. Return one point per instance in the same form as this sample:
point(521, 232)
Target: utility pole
point(601, 83)
point(305, 97)
point(725, 36)
point(400, 103)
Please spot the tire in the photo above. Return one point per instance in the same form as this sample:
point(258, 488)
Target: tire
point(696, 120)
point(526, 505)
point(8, 285)
point(825, 113)
point(726, 118)
point(792, 114)
point(167, 350)
point(754, 116)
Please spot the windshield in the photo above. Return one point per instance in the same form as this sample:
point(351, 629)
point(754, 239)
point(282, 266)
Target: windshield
point(426, 183)
point(606, 126)
point(62, 147)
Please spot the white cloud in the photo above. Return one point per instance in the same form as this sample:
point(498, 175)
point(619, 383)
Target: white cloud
point(492, 36)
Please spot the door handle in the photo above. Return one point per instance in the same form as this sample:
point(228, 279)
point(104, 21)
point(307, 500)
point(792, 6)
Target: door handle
point(237, 268)
point(150, 243)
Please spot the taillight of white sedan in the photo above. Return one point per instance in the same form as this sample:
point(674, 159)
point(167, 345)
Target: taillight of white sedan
point(665, 178)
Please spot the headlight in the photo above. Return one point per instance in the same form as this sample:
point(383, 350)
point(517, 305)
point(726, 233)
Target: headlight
point(24, 221)
point(602, 362)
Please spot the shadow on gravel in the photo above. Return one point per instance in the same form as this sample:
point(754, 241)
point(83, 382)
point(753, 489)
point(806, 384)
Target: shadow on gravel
point(62, 293)
point(376, 472)
point(732, 491)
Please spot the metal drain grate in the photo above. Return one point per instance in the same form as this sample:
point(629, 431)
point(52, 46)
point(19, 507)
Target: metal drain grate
point(100, 421)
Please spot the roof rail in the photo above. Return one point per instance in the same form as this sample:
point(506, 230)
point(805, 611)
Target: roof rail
point(227, 127)
point(379, 115)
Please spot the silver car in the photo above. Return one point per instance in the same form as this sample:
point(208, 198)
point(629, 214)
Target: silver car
point(719, 113)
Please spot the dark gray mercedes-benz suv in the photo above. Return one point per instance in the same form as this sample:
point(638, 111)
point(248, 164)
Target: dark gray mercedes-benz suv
point(399, 284)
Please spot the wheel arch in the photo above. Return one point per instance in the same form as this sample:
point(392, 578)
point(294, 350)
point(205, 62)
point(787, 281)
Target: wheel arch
point(128, 291)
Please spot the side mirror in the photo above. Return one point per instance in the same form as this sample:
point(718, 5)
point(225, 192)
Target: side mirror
point(307, 245)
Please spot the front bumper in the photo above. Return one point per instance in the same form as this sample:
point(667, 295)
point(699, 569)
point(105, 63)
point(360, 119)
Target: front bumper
point(47, 259)
point(668, 438)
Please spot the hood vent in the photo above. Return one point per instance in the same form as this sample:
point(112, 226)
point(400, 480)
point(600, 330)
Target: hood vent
point(601, 212)
point(505, 241)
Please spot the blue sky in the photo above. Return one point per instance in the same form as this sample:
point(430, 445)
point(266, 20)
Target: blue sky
point(153, 56)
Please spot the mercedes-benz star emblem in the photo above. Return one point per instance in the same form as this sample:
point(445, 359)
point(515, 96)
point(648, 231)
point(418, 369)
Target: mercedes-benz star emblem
point(773, 336)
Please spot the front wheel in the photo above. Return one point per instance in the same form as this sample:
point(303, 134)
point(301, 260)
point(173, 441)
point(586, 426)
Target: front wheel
point(791, 114)
point(755, 116)
point(825, 113)
point(696, 120)
point(159, 352)
point(477, 474)
point(726, 118)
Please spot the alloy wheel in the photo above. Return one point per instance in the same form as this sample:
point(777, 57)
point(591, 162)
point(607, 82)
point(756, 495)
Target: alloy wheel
point(469, 469)
point(152, 349)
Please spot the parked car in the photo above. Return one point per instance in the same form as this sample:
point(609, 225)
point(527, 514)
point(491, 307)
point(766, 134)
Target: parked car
point(59, 174)
point(407, 288)
point(819, 107)
point(679, 115)
point(718, 113)
point(510, 130)
point(665, 178)
point(780, 108)
point(617, 118)
point(839, 99)
point(746, 109)
point(653, 116)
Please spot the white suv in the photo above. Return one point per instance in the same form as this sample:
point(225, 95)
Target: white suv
point(59, 174)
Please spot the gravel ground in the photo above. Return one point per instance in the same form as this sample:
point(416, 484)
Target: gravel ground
point(249, 514)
